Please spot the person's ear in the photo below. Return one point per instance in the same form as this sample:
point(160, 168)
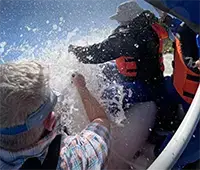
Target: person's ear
point(50, 121)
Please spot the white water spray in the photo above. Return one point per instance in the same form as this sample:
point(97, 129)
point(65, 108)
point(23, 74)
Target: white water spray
point(54, 55)
point(61, 64)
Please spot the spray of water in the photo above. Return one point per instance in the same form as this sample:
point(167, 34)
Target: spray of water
point(61, 64)
point(54, 55)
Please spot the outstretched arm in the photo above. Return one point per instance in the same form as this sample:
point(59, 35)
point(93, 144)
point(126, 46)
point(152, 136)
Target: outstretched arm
point(90, 148)
point(121, 42)
point(94, 110)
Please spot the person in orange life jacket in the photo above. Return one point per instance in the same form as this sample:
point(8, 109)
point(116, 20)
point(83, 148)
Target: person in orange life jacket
point(29, 135)
point(135, 47)
point(182, 86)
point(186, 74)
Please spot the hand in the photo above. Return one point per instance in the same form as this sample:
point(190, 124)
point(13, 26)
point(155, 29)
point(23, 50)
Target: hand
point(78, 80)
point(71, 48)
point(198, 64)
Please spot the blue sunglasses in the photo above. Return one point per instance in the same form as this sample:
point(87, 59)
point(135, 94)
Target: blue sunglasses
point(34, 119)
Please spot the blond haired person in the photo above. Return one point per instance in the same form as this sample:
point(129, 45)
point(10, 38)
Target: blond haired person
point(28, 135)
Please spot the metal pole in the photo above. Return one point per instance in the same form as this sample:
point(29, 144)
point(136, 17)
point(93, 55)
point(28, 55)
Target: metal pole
point(179, 141)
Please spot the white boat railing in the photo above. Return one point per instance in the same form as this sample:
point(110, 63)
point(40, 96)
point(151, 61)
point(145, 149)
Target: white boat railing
point(179, 141)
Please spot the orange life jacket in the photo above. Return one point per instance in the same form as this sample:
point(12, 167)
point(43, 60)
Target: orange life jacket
point(127, 66)
point(185, 81)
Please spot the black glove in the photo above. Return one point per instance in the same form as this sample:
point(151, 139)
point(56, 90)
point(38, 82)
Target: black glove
point(76, 50)
point(72, 48)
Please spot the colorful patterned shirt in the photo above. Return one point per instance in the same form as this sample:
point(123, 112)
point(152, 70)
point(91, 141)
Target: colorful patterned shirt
point(85, 151)
point(88, 150)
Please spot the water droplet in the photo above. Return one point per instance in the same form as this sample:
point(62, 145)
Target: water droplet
point(28, 28)
point(59, 29)
point(89, 57)
point(136, 45)
point(61, 18)
point(55, 27)
point(41, 117)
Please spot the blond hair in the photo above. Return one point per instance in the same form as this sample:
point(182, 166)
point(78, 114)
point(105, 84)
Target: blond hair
point(23, 88)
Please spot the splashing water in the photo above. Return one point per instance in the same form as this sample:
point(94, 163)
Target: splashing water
point(54, 55)
point(61, 64)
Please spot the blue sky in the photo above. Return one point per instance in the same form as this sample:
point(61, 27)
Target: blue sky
point(17, 14)
point(17, 17)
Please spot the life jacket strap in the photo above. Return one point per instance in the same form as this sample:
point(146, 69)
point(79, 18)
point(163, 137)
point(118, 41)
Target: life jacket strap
point(162, 35)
